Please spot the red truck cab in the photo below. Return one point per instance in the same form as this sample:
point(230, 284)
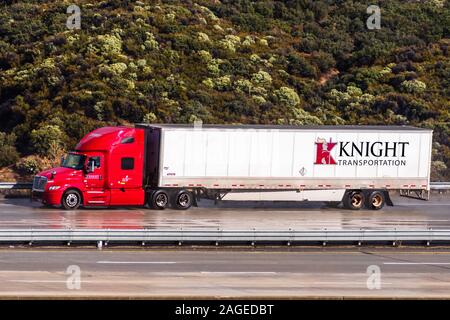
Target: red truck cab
point(105, 169)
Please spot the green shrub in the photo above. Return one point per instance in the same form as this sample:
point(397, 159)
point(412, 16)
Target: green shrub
point(149, 118)
point(8, 152)
point(47, 140)
point(299, 66)
point(28, 166)
point(287, 97)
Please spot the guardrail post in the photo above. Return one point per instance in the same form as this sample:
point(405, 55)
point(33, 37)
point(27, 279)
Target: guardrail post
point(145, 236)
point(107, 236)
point(324, 243)
point(291, 237)
point(219, 236)
point(254, 237)
point(394, 243)
point(181, 238)
point(430, 237)
point(69, 242)
point(31, 237)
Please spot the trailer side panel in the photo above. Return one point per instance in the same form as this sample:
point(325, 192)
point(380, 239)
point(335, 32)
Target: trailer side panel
point(292, 159)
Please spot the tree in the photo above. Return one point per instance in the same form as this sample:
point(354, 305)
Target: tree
point(48, 140)
point(287, 97)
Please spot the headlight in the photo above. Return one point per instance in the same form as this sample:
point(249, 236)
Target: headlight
point(54, 188)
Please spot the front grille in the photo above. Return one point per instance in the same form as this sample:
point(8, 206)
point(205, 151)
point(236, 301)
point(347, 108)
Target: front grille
point(39, 183)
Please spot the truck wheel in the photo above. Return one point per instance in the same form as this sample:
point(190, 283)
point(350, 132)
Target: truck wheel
point(159, 200)
point(183, 200)
point(376, 200)
point(71, 200)
point(354, 200)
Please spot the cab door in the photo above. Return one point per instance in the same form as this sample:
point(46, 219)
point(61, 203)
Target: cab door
point(126, 167)
point(94, 181)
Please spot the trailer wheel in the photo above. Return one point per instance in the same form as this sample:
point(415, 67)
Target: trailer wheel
point(159, 200)
point(71, 200)
point(183, 200)
point(376, 200)
point(354, 200)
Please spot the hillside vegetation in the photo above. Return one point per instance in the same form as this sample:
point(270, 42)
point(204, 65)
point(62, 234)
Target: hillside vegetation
point(230, 61)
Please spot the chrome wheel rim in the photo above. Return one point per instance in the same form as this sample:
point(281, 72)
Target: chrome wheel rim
point(377, 200)
point(72, 200)
point(161, 200)
point(183, 200)
point(357, 200)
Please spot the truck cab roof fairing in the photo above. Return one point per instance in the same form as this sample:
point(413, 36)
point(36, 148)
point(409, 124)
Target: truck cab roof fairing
point(103, 138)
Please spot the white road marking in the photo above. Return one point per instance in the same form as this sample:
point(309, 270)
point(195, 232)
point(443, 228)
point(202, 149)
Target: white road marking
point(136, 262)
point(406, 204)
point(236, 272)
point(43, 281)
point(416, 263)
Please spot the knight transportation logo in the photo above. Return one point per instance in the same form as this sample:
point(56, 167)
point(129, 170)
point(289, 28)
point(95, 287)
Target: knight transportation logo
point(362, 153)
point(323, 152)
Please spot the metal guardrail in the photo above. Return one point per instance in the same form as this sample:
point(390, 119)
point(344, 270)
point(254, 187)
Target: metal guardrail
point(143, 236)
point(16, 185)
point(28, 185)
point(440, 185)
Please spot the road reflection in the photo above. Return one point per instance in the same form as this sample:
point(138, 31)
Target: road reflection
point(20, 213)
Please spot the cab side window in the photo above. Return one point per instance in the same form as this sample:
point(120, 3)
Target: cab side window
point(127, 164)
point(96, 160)
point(127, 140)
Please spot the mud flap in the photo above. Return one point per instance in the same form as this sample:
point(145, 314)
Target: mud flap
point(388, 199)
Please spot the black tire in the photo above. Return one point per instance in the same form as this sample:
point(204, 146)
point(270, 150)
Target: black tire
point(376, 200)
point(71, 200)
point(354, 200)
point(148, 198)
point(183, 200)
point(159, 200)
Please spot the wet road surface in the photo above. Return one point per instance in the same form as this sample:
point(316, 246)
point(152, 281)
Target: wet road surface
point(406, 214)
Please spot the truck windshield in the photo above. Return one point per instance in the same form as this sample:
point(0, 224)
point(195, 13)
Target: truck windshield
point(74, 161)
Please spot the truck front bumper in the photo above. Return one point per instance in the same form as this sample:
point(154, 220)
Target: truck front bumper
point(47, 197)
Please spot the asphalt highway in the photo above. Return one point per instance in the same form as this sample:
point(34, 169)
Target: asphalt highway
point(406, 214)
point(188, 273)
point(201, 272)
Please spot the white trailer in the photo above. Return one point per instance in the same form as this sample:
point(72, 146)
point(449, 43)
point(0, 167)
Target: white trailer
point(357, 165)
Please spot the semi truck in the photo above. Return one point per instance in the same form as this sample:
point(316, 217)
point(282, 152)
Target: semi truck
point(176, 166)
